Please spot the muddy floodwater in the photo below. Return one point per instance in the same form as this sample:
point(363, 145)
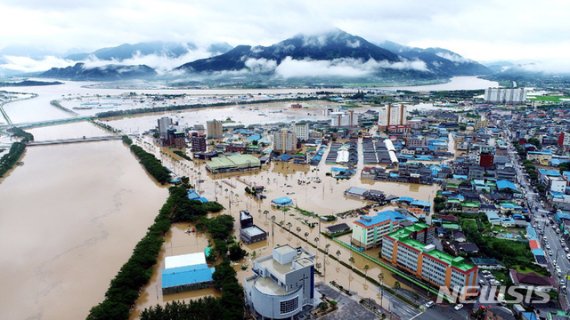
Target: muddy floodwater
point(280, 179)
point(69, 218)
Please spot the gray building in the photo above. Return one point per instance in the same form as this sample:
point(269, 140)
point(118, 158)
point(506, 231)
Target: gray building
point(164, 124)
point(214, 129)
point(283, 283)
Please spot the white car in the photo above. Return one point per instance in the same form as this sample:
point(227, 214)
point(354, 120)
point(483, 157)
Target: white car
point(458, 307)
point(429, 304)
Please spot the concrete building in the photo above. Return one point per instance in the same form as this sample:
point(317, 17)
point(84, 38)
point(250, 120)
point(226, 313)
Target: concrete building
point(411, 249)
point(301, 130)
point(186, 272)
point(249, 232)
point(284, 141)
point(164, 124)
point(368, 231)
point(283, 283)
point(505, 95)
point(393, 115)
point(198, 142)
point(345, 119)
point(214, 129)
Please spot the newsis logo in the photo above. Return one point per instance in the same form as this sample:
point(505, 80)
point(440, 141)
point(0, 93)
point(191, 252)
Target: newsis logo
point(494, 294)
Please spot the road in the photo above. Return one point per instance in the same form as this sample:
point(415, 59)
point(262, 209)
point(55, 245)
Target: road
point(552, 242)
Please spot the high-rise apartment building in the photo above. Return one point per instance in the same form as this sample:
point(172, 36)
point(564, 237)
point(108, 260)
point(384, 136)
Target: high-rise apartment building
point(392, 116)
point(284, 141)
point(505, 95)
point(214, 129)
point(301, 130)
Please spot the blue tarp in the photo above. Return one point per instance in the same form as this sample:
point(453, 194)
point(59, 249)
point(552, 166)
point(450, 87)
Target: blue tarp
point(282, 201)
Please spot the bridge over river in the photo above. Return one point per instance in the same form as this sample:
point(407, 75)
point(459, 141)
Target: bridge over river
point(75, 140)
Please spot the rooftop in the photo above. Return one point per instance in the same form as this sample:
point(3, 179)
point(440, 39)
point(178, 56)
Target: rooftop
point(191, 259)
point(174, 277)
point(380, 217)
point(253, 231)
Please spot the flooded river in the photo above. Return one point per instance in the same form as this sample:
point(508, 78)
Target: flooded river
point(69, 218)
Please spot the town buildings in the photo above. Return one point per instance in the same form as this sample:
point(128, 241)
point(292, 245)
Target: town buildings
point(343, 119)
point(283, 283)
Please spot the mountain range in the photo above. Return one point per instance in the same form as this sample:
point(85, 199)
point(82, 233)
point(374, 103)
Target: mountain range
point(334, 54)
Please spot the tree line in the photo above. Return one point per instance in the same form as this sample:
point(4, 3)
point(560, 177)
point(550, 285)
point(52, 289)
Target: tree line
point(16, 150)
point(152, 165)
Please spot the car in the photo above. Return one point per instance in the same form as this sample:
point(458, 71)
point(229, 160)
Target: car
point(429, 304)
point(548, 247)
point(567, 250)
point(549, 252)
point(482, 282)
point(458, 307)
point(558, 270)
point(563, 288)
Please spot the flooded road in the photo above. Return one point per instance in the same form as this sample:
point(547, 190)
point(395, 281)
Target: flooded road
point(69, 219)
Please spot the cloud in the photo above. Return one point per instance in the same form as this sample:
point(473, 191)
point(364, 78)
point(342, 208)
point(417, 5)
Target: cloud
point(26, 64)
point(261, 65)
point(350, 68)
point(163, 64)
point(452, 57)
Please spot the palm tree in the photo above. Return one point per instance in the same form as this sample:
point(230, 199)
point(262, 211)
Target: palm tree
point(338, 253)
point(381, 280)
point(366, 267)
point(307, 236)
point(266, 212)
point(298, 229)
point(351, 260)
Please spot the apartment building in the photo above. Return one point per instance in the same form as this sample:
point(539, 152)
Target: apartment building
point(410, 249)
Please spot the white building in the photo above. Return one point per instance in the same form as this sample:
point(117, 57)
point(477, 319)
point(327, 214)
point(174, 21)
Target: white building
point(505, 95)
point(343, 119)
point(392, 115)
point(283, 283)
point(284, 141)
point(301, 130)
point(214, 129)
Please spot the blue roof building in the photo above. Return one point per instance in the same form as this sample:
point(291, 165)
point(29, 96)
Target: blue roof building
point(506, 185)
point(186, 272)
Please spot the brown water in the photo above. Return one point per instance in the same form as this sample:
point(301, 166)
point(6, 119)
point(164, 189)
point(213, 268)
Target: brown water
point(69, 218)
point(281, 179)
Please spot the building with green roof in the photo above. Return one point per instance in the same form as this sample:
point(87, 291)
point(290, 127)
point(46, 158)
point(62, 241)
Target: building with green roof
point(235, 162)
point(411, 249)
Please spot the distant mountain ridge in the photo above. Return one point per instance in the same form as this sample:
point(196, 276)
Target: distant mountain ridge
point(327, 46)
point(106, 73)
point(348, 55)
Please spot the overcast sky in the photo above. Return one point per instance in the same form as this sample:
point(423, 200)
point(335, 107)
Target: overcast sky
point(483, 30)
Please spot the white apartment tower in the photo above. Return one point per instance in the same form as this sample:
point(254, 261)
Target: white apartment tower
point(392, 115)
point(505, 95)
point(301, 130)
